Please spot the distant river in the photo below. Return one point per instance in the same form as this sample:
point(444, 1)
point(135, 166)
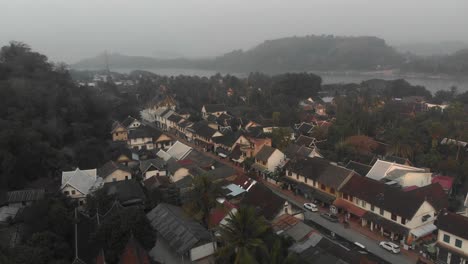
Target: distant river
point(432, 84)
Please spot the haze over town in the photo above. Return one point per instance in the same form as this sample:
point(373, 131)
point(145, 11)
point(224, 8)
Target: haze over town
point(72, 30)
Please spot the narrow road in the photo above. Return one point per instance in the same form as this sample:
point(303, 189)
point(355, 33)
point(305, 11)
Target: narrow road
point(349, 234)
point(338, 228)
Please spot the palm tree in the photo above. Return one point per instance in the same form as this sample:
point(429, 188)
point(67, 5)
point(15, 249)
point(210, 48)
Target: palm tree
point(278, 251)
point(242, 236)
point(204, 194)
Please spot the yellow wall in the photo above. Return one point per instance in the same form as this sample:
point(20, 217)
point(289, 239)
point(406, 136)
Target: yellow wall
point(118, 175)
point(120, 134)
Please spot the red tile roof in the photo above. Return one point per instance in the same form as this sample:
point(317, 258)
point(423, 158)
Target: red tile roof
point(445, 181)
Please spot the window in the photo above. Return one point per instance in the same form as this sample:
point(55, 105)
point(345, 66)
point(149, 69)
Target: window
point(305, 179)
point(73, 192)
point(356, 200)
point(458, 243)
point(322, 186)
point(394, 217)
point(350, 198)
point(345, 196)
point(289, 173)
point(381, 211)
point(66, 192)
point(332, 191)
point(446, 238)
point(403, 220)
point(297, 176)
point(126, 177)
point(372, 207)
point(363, 203)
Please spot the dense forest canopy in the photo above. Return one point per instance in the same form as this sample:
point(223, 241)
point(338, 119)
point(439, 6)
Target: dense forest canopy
point(48, 123)
point(308, 53)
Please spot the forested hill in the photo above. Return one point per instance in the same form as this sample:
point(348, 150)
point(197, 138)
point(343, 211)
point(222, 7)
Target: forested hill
point(273, 56)
point(48, 124)
point(313, 53)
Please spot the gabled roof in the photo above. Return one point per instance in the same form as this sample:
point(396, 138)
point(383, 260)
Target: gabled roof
point(227, 139)
point(404, 204)
point(321, 170)
point(305, 128)
point(127, 192)
point(175, 118)
point(212, 108)
point(156, 181)
point(82, 180)
point(110, 167)
point(25, 195)
point(202, 129)
point(144, 132)
point(116, 125)
point(264, 200)
point(381, 168)
point(453, 223)
point(128, 121)
point(179, 150)
point(445, 181)
point(157, 163)
point(358, 167)
point(265, 153)
point(177, 228)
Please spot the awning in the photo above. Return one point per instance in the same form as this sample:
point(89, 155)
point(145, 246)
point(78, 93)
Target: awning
point(385, 223)
point(349, 207)
point(316, 194)
point(424, 230)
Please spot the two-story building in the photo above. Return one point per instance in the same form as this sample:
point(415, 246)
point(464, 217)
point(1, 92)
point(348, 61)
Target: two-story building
point(268, 160)
point(316, 178)
point(401, 215)
point(452, 239)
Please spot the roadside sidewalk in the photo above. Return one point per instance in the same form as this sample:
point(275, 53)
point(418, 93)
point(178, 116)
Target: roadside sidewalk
point(355, 226)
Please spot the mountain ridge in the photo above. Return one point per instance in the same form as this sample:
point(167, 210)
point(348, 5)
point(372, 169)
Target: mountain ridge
point(305, 53)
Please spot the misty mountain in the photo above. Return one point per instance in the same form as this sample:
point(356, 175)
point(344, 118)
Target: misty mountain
point(309, 53)
point(432, 49)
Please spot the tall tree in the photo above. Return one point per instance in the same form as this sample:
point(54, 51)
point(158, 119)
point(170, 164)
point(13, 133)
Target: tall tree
point(204, 194)
point(242, 236)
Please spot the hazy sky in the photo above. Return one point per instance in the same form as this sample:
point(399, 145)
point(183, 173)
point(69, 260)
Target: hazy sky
point(68, 30)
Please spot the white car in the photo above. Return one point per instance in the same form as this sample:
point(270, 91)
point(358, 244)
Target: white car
point(311, 207)
point(392, 247)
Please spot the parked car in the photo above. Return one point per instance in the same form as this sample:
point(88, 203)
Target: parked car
point(392, 247)
point(311, 207)
point(329, 217)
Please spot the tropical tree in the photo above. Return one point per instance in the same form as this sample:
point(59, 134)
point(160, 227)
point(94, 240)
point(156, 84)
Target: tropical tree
point(204, 194)
point(242, 236)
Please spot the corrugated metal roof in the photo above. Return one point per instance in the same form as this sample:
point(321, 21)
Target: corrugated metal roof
point(177, 228)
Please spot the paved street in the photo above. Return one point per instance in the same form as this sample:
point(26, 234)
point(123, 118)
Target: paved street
point(338, 228)
point(350, 235)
